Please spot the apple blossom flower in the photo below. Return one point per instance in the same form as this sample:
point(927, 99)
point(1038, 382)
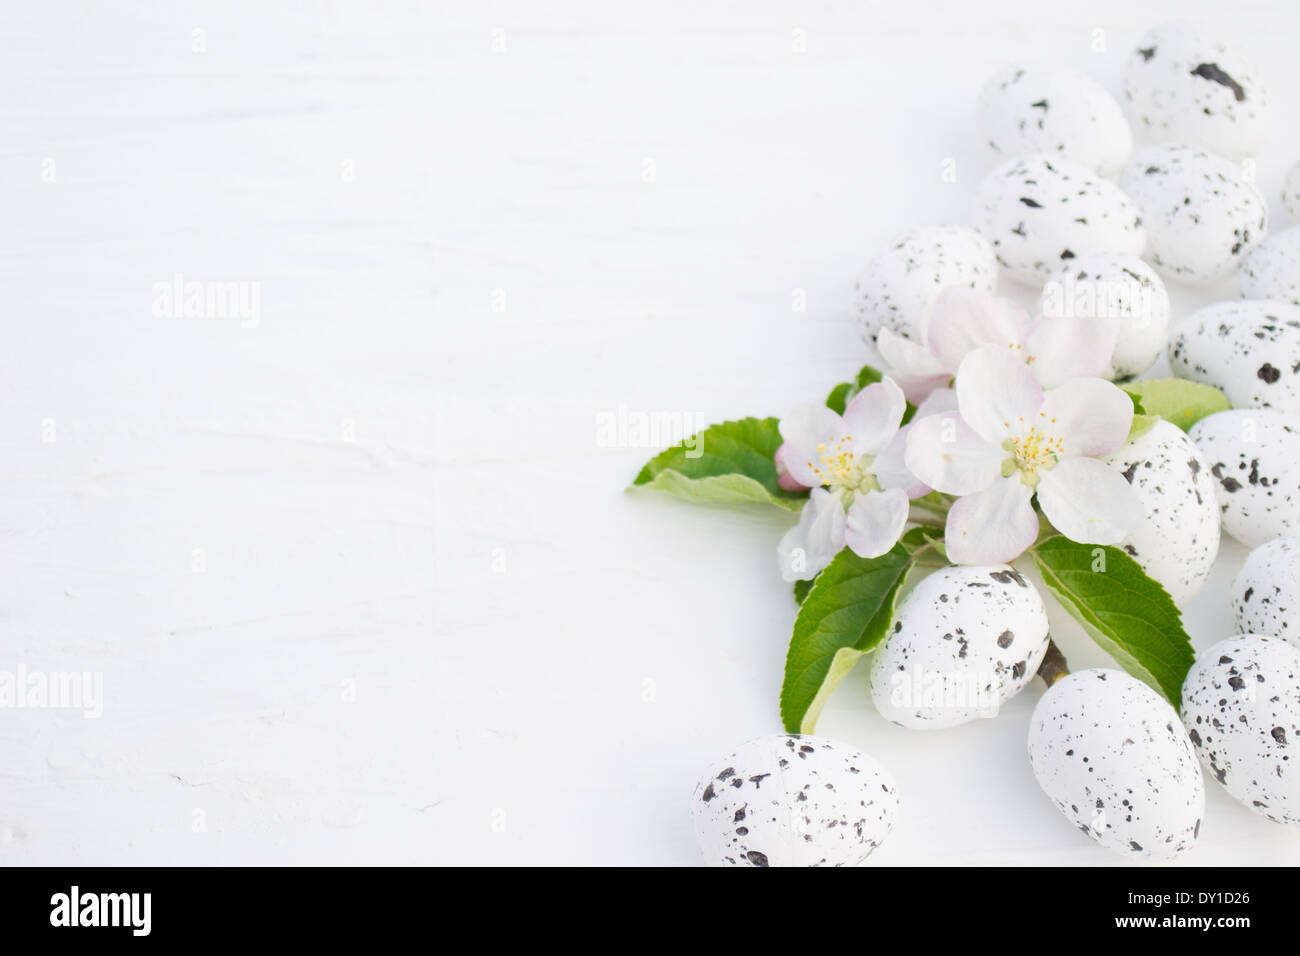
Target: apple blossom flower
point(860, 485)
point(965, 319)
point(1012, 441)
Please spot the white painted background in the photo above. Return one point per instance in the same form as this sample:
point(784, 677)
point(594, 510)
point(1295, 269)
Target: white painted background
point(395, 477)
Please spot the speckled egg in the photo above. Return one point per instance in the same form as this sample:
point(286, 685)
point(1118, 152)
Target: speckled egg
point(1202, 215)
point(1291, 193)
point(793, 800)
point(1112, 755)
point(1254, 458)
point(1035, 109)
point(1040, 212)
point(1266, 591)
point(1178, 539)
point(1272, 271)
point(964, 642)
point(1121, 290)
point(1241, 707)
point(1248, 350)
point(1182, 85)
point(901, 282)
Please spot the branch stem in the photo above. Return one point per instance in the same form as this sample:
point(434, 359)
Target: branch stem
point(1054, 665)
point(927, 519)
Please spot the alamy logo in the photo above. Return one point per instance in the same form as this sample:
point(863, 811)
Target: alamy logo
point(630, 428)
point(52, 690)
point(1071, 297)
point(102, 909)
point(183, 298)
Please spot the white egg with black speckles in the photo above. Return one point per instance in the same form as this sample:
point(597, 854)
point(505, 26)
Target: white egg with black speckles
point(1249, 350)
point(1040, 109)
point(1202, 215)
point(1266, 591)
point(1254, 458)
point(793, 800)
point(1120, 290)
point(1040, 212)
point(1112, 755)
point(1182, 85)
point(964, 642)
point(1178, 539)
point(1291, 193)
point(902, 281)
point(1272, 271)
point(1241, 707)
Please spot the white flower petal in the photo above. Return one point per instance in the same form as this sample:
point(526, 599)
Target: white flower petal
point(809, 546)
point(890, 467)
point(940, 400)
point(965, 319)
point(993, 526)
point(906, 354)
point(946, 454)
point(1092, 416)
point(1065, 348)
point(911, 365)
point(1088, 501)
point(873, 415)
point(806, 427)
point(875, 521)
point(997, 393)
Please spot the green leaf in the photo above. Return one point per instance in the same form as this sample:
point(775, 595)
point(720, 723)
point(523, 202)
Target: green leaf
point(845, 614)
point(930, 539)
point(1141, 425)
point(1138, 408)
point(730, 463)
point(1126, 612)
point(921, 536)
point(1177, 400)
point(838, 399)
point(868, 375)
point(801, 589)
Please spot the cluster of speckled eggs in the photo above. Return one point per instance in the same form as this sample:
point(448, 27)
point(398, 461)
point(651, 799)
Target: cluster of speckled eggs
point(1073, 209)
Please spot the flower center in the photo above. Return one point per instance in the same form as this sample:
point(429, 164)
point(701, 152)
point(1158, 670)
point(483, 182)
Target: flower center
point(838, 468)
point(1034, 450)
point(1019, 350)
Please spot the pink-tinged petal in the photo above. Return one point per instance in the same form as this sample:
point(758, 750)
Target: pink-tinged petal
point(806, 427)
point(965, 319)
point(944, 453)
point(993, 526)
point(1092, 416)
point(940, 400)
point(875, 522)
point(872, 417)
point(907, 355)
point(911, 365)
point(1088, 501)
point(997, 393)
point(811, 544)
point(1061, 349)
point(783, 477)
point(787, 482)
point(890, 467)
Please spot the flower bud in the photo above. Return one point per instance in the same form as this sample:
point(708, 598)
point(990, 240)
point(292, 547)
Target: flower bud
point(783, 476)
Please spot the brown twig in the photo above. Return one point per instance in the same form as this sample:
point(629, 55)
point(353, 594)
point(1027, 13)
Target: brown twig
point(1054, 665)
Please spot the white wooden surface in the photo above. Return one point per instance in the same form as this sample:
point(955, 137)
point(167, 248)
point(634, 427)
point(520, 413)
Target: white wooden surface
point(475, 228)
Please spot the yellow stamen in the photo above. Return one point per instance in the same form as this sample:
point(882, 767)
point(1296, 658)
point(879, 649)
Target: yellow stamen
point(838, 467)
point(1034, 450)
